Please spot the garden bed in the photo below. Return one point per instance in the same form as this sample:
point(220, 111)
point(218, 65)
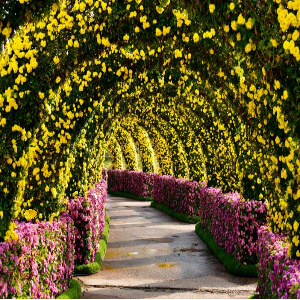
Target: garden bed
point(233, 266)
point(39, 262)
point(279, 274)
point(137, 184)
point(94, 267)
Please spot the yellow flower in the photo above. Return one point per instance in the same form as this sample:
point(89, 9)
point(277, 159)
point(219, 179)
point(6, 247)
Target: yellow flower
point(249, 23)
point(41, 95)
point(296, 225)
point(54, 192)
point(166, 30)
point(56, 60)
point(211, 8)
point(274, 43)
point(276, 84)
point(295, 35)
point(126, 37)
point(283, 174)
point(7, 31)
point(82, 6)
point(30, 214)
point(234, 25)
point(285, 95)
point(231, 6)
point(241, 19)
point(159, 9)
point(226, 28)
point(248, 48)
point(158, 32)
point(196, 37)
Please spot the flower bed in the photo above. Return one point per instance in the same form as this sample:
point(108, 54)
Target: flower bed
point(131, 182)
point(40, 263)
point(279, 276)
point(89, 220)
point(232, 221)
point(95, 266)
point(177, 194)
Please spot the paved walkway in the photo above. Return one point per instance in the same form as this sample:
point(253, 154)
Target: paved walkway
point(151, 255)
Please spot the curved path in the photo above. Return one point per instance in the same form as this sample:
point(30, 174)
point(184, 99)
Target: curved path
point(151, 255)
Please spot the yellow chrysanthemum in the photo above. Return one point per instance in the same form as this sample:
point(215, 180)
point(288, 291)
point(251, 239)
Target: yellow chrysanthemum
point(30, 214)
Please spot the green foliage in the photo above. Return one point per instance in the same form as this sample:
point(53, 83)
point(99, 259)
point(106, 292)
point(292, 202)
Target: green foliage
point(130, 196)
point(14, 14)
point(66, 77)
point(73, 292)
point(107, 163)
point(179, 216)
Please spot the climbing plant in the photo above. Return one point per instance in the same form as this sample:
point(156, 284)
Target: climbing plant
point(142, 142)
point(215, 82)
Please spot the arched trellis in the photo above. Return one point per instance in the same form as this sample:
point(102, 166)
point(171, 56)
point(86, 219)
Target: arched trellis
point(216, 140)
point(161, 150)
point(176, 148)
point(115, 153)
point(159, 144)
point(128, 148)
point(261, 99)
point(142, 142)
point(192, 146)
point(178, 155)
point(186, 121)
point(210, 140)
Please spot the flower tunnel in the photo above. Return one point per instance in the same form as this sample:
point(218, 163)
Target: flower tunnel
point(180, 81)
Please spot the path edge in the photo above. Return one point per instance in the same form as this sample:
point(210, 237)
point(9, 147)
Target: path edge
point(233, 266)
point(179, 216)
point(73, 292)
point(95, 267)
point(130, 196)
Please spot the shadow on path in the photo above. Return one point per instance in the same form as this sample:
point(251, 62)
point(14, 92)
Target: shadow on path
point(151, 255)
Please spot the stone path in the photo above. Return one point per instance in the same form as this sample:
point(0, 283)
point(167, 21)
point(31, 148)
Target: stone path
point(151, 255)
